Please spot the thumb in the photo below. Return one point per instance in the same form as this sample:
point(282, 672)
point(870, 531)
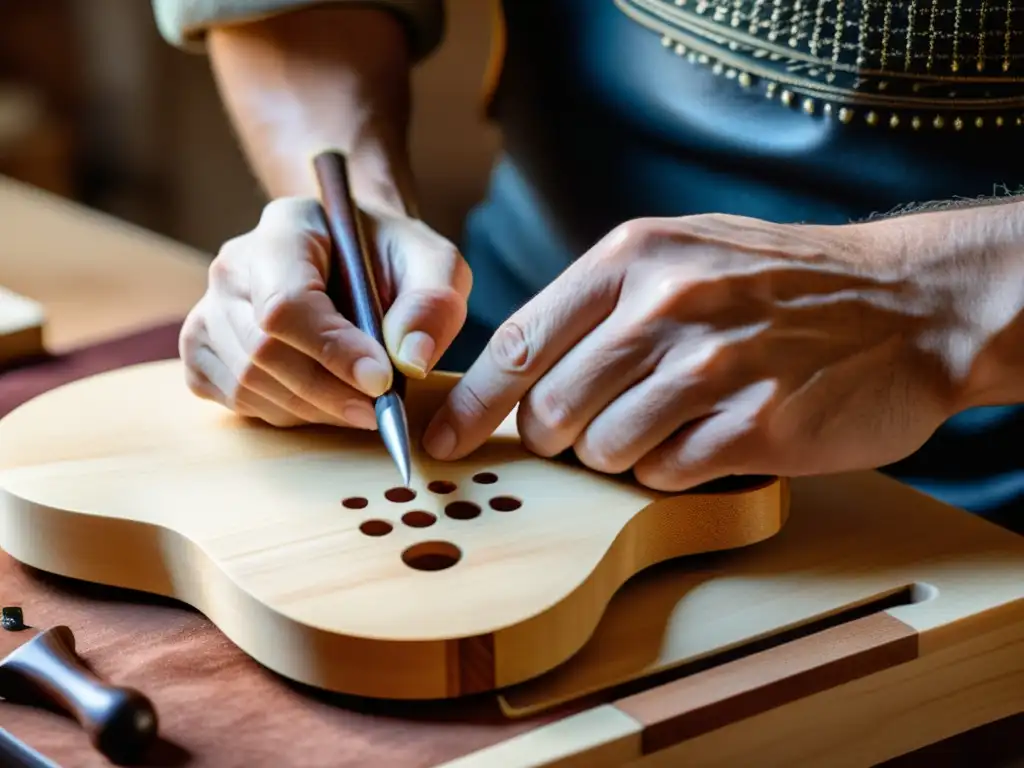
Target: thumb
point(430, 284)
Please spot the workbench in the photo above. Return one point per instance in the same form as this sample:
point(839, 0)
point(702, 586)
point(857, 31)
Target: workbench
point(113, 295)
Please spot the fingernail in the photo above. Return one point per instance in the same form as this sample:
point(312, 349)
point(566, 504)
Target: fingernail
point(373, 377)
point(360, 416)
point(440, 440)
point(416, 351)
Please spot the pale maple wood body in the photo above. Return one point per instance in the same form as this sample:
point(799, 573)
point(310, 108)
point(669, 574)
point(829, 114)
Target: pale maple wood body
point(128, 479)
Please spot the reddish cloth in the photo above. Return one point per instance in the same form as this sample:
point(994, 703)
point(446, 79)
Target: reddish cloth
point(217, 706)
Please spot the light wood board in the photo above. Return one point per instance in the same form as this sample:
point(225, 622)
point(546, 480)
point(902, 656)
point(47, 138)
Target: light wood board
point(21, 327)
point(867, 690)
point(128, 479)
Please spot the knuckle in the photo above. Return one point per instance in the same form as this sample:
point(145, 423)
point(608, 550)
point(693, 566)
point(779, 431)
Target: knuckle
point(548, 408)
point(190, 338)
point(466, 403)
point(251, 377)
point(510, 350)
point(221, 270)
point(275, 314)
point(636, 235)
point(460, 275)
point(264, 352)
point(600, 459)
point(291, 211)
point(198, 384)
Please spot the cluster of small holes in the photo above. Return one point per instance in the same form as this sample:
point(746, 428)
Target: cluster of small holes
point(431, 555)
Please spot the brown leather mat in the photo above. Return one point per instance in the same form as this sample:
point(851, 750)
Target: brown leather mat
point(219, 708)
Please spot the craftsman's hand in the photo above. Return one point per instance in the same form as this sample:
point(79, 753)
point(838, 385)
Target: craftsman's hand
point(694, 348)
point(266, 341)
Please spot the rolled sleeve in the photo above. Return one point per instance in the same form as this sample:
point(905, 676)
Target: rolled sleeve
point(183, 23)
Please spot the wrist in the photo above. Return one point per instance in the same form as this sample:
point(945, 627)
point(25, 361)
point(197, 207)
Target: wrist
point(967, 266)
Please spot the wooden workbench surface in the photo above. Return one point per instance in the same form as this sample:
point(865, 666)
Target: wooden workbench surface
point(95, 276)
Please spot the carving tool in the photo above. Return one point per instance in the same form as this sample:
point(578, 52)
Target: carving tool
point(352, 278)
point(42, 667)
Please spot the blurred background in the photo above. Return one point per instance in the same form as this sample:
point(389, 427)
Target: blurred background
point(96, 107)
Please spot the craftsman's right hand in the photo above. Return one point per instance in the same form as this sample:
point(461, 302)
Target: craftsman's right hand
point(266, 341)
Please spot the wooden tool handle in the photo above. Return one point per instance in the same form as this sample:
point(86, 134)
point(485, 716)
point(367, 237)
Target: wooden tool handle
point(121, 722)
point(351, 271)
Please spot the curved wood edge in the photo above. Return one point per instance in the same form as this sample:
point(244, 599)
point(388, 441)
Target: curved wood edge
point(659, 718)
point(166, 563)
point(742, 518)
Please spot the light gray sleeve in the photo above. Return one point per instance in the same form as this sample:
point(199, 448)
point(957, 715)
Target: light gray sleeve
point(183, 23)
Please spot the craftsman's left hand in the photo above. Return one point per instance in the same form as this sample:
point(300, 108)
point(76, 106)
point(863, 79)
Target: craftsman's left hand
point(693, 348)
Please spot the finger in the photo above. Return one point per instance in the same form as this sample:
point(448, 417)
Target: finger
point(606, 363)
point(228, 392)
point(520, 352)
point(727, 443)
point(293, 380)
point(249, 375)
point(641, 418)
point(431, 283)
point(288, 283)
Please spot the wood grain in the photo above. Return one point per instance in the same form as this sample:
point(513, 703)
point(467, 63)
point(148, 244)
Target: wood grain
point(256, 527)
point(704, 702)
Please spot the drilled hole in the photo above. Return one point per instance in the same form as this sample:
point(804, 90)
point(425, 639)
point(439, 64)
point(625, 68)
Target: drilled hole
point(376, 527)
point(505, 503)
point(418, 519)
point(485, 478)
point(442, 486)
point(400, 495)
point(355, 502)
point(462, 510)
point(431, 556)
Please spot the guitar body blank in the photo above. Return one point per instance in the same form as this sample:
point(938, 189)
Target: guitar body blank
point(299, 546)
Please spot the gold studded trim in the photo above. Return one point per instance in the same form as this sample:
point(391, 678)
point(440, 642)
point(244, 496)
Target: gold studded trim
point(915, 64)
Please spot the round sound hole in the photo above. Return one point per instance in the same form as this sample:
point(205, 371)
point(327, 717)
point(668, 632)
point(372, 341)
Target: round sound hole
point(400, 495)
point(462, 510)
point(485, 478)
point(505, 503)
point(355, 502)
point(431, 556)
point(419, 519)
point(442, 487)
point(376, 528)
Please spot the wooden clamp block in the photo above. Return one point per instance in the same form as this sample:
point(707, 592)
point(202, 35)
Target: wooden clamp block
point(21, 327)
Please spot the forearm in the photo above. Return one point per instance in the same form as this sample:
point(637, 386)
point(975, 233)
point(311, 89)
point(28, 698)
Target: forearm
point(322, 78)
